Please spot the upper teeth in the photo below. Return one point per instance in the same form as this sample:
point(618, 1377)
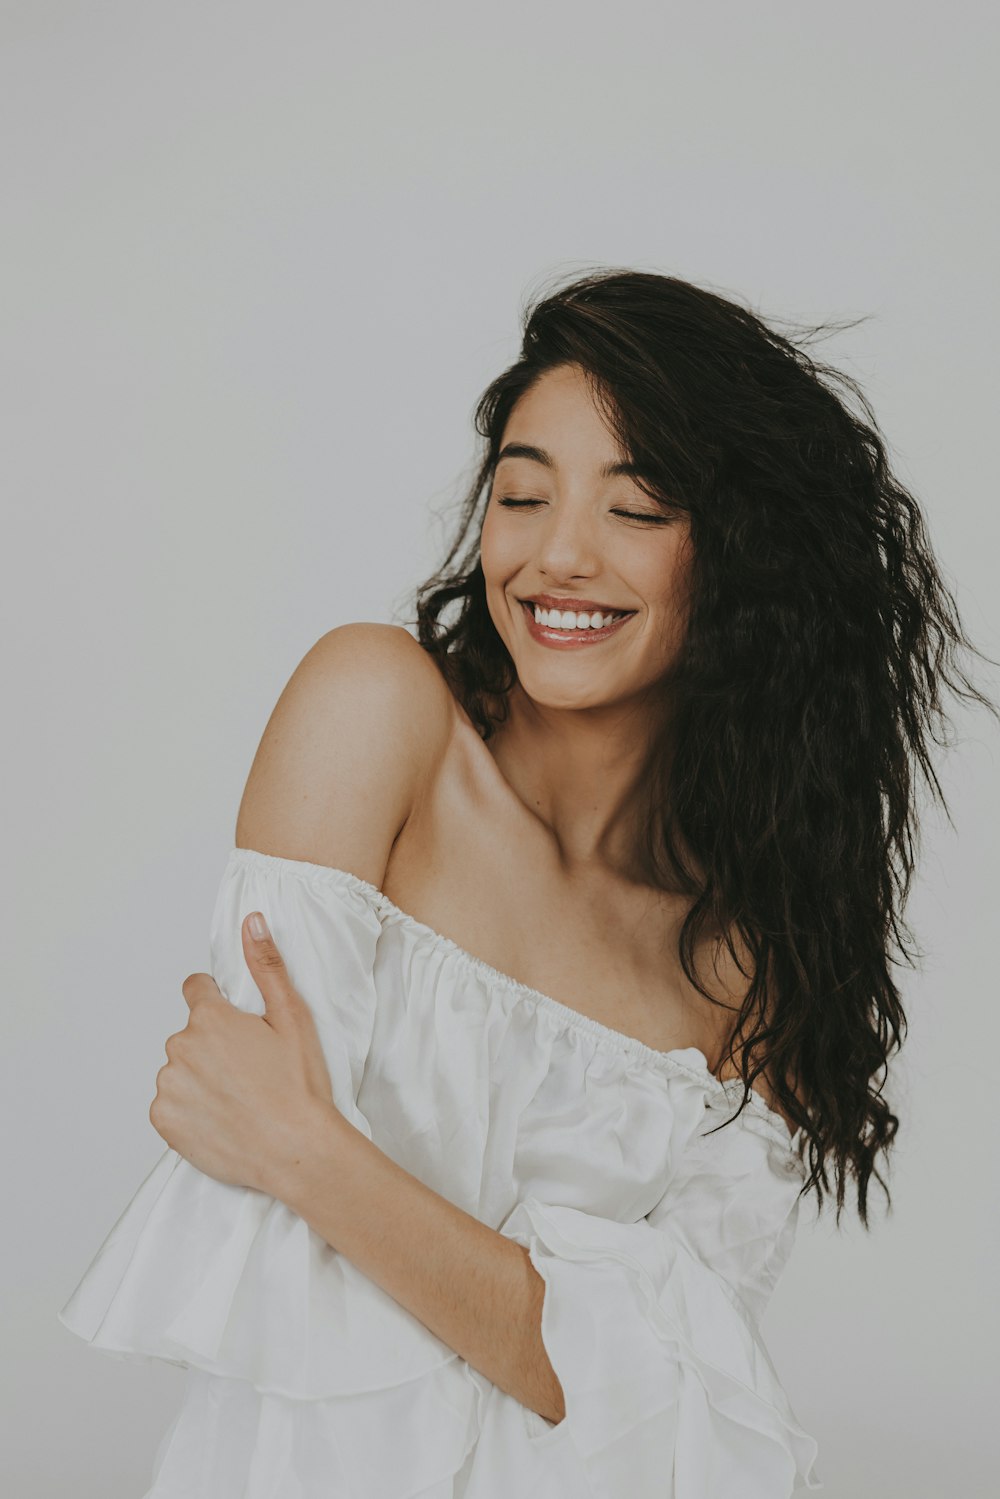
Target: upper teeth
point(567, 619)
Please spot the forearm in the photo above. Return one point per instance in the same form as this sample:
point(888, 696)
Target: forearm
point(475, 1289)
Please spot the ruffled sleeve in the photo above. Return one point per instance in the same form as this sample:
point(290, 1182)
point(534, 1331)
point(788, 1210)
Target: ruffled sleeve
point(326, 928)
point(652, 1326)
point(227, 1280)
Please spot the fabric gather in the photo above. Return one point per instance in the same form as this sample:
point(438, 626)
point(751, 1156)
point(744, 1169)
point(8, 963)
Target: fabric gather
point(659, 1244)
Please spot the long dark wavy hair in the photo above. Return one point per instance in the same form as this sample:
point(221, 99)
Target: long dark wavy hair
point(820, 635)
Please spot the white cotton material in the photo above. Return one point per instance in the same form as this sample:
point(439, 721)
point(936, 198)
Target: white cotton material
point(659, 1244)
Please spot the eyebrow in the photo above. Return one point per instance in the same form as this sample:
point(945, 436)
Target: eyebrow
point(539, 455)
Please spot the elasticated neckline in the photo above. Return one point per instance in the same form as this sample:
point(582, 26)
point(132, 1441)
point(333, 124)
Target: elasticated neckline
point(684, 1059)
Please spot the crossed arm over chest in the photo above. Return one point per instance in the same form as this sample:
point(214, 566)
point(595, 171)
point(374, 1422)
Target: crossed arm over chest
point(357, 730)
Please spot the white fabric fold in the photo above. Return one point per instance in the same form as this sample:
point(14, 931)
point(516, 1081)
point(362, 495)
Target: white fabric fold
point(226, 1279)
point(229, 1441)
point(659, 1244)
point(668, 1388)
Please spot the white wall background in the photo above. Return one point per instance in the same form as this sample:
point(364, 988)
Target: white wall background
point(259, 261)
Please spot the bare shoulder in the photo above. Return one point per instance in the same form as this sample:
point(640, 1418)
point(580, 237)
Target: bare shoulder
point(347, 751)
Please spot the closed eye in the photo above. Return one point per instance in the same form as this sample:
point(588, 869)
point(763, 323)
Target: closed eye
point(656, 520)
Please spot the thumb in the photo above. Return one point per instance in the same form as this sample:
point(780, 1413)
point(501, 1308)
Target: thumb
point(267, 967)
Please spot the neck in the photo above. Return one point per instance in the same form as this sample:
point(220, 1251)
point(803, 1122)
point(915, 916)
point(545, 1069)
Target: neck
point(577, 771)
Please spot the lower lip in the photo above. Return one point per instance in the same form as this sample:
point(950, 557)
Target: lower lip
point(571, 640)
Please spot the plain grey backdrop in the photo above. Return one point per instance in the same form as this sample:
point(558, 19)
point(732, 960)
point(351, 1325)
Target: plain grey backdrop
point(259, 262)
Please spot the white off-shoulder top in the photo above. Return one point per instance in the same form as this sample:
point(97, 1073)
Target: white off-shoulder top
point(658, 1242)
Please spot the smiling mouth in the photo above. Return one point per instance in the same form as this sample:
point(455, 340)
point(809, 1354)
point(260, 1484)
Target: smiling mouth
point(603, 609)
point(576, 637)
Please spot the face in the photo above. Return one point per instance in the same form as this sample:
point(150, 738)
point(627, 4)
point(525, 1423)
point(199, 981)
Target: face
point(560, 523)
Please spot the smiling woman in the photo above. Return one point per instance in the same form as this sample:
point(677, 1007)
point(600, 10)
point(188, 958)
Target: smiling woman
point(593, 507)
point(569, 997)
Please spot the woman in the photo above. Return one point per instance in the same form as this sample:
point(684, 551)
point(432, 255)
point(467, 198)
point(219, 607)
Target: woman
point(617, 846)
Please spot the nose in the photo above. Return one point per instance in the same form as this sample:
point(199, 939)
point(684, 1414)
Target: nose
point(567, 547)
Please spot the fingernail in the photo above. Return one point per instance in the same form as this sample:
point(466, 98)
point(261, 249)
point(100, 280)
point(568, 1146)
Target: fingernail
point(258, 926)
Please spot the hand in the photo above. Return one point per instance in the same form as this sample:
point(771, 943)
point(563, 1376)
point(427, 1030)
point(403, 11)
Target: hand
point(243, 1097)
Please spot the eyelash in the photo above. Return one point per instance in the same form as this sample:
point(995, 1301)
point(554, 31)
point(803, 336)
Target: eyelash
point(656, 520)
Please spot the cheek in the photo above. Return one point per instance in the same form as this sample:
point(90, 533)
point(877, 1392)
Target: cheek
point(496, 571)
point(671, 582)
point(486, 542)
point(669, 596)
point(497, 555)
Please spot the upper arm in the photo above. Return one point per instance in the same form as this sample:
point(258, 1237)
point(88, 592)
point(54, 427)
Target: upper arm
point(347, 751)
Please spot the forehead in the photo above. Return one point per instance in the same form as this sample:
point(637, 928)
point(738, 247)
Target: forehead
point(558, 423)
